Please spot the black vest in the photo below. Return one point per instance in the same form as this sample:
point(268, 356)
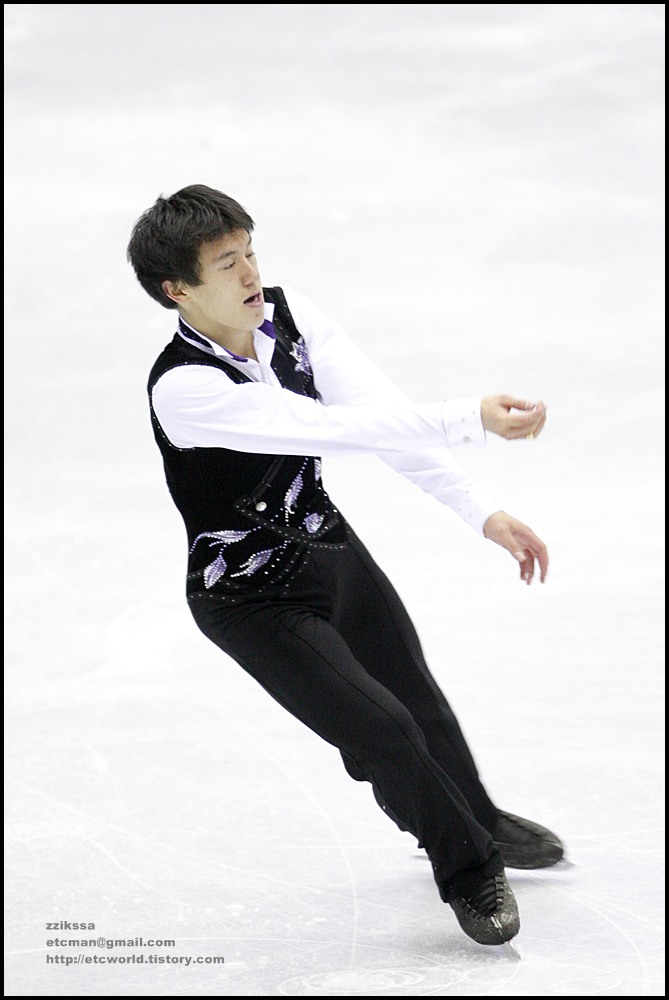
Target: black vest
point(250, 518)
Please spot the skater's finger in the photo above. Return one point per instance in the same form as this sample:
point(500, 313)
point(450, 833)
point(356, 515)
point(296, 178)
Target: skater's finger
point(526, 425)
point(518, 404)
point(534, 549)
point(527, 567)
point(529, 570)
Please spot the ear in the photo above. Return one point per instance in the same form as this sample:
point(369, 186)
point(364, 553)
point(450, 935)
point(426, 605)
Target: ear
point(174, 290)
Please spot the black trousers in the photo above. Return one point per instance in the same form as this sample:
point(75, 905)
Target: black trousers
point(338, 650)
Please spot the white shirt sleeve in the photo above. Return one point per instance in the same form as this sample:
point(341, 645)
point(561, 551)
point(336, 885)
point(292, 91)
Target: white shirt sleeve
point(198, 406)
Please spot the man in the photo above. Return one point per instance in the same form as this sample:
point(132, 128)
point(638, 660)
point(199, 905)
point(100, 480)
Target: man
point(254, 388)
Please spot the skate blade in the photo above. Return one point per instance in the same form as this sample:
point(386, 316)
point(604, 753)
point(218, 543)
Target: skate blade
point(515, 952)
point(510, 947)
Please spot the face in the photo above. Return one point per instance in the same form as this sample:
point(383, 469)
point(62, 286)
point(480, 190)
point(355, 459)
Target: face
point(229, 299)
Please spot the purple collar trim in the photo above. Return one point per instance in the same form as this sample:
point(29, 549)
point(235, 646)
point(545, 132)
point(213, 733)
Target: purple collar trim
point(237, 357)
point(267, 328)
point(193, 337)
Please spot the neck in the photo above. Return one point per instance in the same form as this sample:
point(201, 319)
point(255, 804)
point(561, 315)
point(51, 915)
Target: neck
point(238, 342)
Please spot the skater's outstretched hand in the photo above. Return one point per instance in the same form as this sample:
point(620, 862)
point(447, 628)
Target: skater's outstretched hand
point(512, 418)
point(520, 541)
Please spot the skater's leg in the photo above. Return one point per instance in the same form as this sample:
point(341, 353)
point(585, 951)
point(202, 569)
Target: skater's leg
point(302, 661)
point(377, 628)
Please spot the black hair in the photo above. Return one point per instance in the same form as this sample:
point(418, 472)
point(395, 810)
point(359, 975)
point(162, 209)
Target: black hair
point(166, 240)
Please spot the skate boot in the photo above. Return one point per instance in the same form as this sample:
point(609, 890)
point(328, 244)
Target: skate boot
point(487, 913)
point(524, 844)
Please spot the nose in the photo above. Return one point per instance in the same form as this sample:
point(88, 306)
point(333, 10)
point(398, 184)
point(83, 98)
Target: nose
point(250, 272)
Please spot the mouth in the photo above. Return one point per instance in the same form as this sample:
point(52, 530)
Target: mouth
point(254, 300)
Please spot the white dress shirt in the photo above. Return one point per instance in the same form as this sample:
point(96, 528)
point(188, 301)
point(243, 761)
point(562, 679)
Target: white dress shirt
point(359, 409)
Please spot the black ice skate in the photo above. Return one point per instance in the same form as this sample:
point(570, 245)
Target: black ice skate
point(524, 844)
point(488, 914)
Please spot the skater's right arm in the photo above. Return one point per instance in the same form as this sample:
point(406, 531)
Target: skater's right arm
point(200, 407)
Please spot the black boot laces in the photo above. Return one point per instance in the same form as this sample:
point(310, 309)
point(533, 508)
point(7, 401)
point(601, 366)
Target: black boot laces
point(488, 897)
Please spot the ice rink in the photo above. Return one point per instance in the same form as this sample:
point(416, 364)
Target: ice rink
point(475, 193)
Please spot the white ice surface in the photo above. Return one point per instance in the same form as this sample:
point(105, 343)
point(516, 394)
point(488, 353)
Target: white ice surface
point(475, 192)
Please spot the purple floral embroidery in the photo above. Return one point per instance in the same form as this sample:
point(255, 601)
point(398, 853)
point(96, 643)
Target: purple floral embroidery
point(301, 355)
point(312, 522)
point(226, 537)
point(293, 493)
point(215, 570)
point(317, 469)
point(253, 563)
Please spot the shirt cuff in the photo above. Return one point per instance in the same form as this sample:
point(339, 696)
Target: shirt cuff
point(462, 422)
point(475, 506)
